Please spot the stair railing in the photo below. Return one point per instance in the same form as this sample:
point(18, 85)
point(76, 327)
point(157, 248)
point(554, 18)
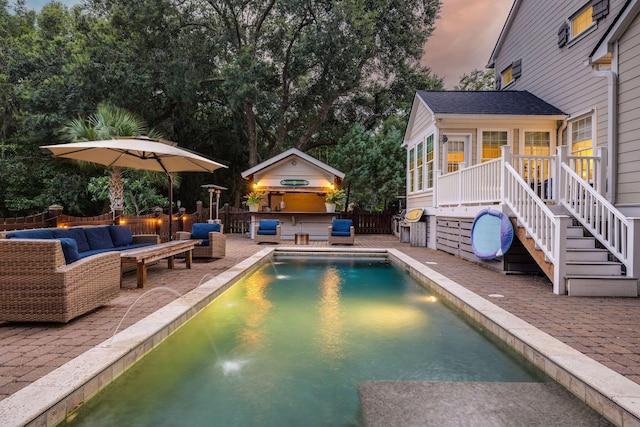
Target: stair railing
point(548, 230)
point(599, 217)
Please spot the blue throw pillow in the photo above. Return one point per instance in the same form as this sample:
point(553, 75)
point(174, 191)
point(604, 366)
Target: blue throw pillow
point(31, 234)
point(69, 249)
point(201, 230)
point(80, 237)
point(99, 238)
point(120, 235)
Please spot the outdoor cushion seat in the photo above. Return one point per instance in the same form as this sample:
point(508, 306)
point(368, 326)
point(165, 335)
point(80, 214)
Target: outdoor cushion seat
point(267, 231)
point(214, 242)
point(341, 231)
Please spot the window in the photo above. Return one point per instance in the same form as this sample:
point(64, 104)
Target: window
point(492, 142)
point(537, 143)
point(420, 166)
point(581, 21)
point(455, 155)
point(507, 76)
point(429, 161)
point(412, 168)
point(511, 73)
point(582, 146)
point(581, 139)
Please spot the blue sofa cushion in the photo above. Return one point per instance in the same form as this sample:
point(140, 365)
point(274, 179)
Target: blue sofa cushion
point(121, 248)
point(31, 234)
point(80, 237)
point(201, 230)
point(341, 227)
point(76, 234)
point(99, 238)
point(120, 235)
point(70, 249)
point(268, 227)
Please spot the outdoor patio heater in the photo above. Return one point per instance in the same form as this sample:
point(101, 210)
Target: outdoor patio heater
point(212, 188)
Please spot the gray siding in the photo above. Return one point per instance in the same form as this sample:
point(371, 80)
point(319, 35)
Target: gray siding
point(557, 75)
point(629, 116)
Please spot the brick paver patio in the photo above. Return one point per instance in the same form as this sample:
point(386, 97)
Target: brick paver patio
point(605, 329)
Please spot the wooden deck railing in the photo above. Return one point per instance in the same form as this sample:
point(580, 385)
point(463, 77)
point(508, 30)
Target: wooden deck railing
point(235, 220)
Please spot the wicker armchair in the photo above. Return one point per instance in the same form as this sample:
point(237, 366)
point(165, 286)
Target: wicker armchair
point(341, 232)
point(214, 243)
point(267, 231)
point(37, 285)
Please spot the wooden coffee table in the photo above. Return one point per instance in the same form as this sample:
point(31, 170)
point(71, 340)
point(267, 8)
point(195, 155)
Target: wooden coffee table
point(148, 254)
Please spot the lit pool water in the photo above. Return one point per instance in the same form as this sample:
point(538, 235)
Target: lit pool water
point(289, 344)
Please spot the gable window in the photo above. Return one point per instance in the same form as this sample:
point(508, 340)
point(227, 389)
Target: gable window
point(492, 142)
point(507, 76)
point(429, 161)
point(581, 21)
point(511, 73)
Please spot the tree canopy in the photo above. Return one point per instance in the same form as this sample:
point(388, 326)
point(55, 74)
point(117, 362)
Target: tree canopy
point(236, 80)
point(476, 80)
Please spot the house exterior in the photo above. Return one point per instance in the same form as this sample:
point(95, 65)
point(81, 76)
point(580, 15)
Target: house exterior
point(555, 146)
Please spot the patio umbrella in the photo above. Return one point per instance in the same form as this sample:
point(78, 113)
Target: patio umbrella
point(138, 153)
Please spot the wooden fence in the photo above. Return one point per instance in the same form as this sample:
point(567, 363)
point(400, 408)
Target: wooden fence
point(235, 220)
point(370, 222)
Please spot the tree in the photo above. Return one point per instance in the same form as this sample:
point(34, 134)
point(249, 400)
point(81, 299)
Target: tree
point(374, 164)
point(476, 80)
point(296, 72)
point(106, 123)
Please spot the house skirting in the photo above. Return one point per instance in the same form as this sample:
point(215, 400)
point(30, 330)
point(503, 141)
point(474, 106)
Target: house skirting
point(453, 235)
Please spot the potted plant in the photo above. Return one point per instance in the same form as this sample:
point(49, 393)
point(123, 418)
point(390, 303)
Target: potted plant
point(333, 198)
point(254, 198)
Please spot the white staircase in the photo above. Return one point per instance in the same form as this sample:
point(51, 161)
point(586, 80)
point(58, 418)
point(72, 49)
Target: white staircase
point(589, 271)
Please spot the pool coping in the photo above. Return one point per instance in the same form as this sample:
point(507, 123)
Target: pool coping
point(49, 400)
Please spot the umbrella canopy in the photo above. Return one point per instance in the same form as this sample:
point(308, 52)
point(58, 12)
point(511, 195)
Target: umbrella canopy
point(138, 153)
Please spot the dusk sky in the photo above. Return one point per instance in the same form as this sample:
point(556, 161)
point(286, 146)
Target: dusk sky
point(464, 37)
point(463, 40)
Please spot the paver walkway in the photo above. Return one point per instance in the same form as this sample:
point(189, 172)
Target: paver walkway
point(605, 329)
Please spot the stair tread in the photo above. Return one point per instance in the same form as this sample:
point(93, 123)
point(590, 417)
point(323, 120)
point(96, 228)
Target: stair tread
point(591, 276)
point(593, 262)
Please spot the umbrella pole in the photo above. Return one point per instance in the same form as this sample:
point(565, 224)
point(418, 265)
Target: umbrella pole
point(170, 206)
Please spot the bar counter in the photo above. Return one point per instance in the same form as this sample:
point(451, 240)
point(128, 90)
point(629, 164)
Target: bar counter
point(316, 224)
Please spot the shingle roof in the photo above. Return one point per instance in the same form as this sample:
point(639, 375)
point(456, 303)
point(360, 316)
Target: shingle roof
point(519, 103)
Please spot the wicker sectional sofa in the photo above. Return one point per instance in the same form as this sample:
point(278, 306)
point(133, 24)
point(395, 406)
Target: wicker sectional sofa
point(51, 275)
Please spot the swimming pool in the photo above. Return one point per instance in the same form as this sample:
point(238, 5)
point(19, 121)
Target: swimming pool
point(289, 344)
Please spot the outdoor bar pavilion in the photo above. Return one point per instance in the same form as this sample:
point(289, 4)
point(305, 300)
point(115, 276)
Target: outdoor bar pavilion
point(296, 185)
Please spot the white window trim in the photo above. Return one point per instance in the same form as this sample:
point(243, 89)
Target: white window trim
point(467, 138)
point(479, 140)
point(410, 177)
point(432, 165)
point(552, 139)
point(512, 82)
point(581, 116)
point(591, 28)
